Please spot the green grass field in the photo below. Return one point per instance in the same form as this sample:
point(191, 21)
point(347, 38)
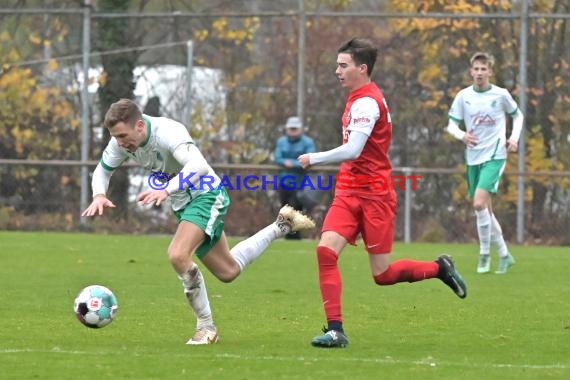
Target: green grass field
point(514, 326)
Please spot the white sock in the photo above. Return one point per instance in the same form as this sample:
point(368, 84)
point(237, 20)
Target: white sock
point(484, 230)
point(497, 237)
point(197, 295)
point(249, 249)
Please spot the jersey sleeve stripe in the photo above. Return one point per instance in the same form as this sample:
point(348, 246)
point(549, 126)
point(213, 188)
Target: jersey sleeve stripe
point(455, 119)
point(106, 167)
point(514, 112)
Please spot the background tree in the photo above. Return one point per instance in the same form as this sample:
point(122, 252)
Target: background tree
point(422, 65)
point(440, 50)
point(117, 81)
point(37, 118)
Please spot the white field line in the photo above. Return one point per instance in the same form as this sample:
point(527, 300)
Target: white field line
point(387, 360)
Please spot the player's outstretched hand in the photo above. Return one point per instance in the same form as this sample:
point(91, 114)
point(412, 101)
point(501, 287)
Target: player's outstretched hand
point(470, 140)
point(152, 197)
point(97, 206)
point(304, 160)
point(512, 145)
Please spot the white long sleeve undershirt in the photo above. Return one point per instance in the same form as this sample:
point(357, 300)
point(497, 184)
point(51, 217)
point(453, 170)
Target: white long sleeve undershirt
point(186, 154)
point(518, 119)
point(454, 130)
point(100, 180)
point(349, 151)
point(189, 156)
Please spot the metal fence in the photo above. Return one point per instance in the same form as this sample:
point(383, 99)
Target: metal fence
point(251, 64)
point(254, 205)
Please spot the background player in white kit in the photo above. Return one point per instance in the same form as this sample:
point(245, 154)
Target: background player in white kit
point(165, 146)
point(483, 108)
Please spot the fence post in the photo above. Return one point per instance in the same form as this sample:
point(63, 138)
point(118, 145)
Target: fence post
point(189, 67)
point(522, 100)
point(407, 207)
point(301, 63)
point(85, 109)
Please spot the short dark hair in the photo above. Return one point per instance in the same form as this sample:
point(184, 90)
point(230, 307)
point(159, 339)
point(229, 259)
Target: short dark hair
point(484, 58)
point(124, 110)
point(362, 52)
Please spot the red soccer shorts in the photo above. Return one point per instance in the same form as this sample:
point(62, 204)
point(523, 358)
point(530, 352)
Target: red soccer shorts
point(374, 219)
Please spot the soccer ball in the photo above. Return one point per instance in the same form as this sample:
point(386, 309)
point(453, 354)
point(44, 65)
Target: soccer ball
point(96, 306)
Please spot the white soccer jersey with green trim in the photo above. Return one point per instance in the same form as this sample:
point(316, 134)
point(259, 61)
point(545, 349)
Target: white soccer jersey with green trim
point(155, 154)
point(484, 115)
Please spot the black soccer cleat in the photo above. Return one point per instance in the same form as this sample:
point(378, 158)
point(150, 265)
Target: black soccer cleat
point(450, 276)
point(330, 339)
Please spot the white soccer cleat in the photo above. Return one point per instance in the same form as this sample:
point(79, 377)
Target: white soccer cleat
point(484, 265)
point(291, 220)
point(204, 335)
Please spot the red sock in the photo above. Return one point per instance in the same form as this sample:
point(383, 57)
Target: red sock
point(407, 270)
point(330, 282)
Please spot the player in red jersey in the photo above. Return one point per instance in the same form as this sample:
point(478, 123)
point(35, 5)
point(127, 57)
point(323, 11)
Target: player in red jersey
point(364, 201)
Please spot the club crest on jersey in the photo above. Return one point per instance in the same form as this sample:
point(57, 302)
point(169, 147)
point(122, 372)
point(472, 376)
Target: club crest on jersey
point(484, 120)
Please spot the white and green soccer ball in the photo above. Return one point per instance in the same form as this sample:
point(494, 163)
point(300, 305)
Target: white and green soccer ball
point(96, 306)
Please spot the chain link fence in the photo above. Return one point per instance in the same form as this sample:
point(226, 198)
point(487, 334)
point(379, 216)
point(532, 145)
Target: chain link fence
point(53, 204)
point(249, 66)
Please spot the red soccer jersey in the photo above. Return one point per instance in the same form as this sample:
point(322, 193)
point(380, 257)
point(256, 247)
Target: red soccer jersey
point(369, 174)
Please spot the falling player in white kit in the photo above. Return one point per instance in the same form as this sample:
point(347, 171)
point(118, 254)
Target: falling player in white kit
point(199, 203)
point(483, 107)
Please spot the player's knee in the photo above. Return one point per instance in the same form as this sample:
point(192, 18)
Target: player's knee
point(177, 258)
point(481, 202)
point(479, 205)
point(227, 275)
point(225, 278)
point(384, 278)
point(326, 256)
